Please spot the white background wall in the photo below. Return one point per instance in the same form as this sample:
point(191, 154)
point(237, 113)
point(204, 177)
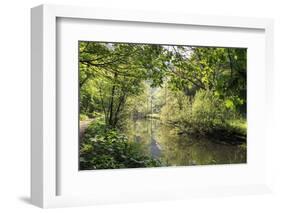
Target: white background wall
point(15, 104)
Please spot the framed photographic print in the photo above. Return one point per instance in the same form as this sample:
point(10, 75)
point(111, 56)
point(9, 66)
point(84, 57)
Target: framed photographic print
point(130, 106)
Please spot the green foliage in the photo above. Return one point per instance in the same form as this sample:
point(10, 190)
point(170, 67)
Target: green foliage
point(114, 76)
point(221, 70)
point(209, 113)
point(199, 90)
point(205, 114)
point(238, 125)
point(112, 73)
point(104, 148)
point(83, 117)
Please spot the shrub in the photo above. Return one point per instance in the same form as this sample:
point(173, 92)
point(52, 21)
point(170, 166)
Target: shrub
point(205, 114)
point(208, 112)
point(177, 109)
point(104, 148)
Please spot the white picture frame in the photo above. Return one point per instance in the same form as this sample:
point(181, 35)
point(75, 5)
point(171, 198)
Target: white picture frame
point(45, 168)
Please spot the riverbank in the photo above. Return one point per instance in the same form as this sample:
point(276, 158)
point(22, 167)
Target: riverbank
point(105, 148)
point(152, 142)
point(165, 142)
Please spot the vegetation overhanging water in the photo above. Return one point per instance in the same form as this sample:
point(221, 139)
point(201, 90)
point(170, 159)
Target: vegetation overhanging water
point(159, 105)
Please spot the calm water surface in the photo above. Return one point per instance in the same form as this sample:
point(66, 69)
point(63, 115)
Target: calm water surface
point(162, 142)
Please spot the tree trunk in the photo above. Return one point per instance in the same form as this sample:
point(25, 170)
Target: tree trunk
point(119, 107)
point(111, 106)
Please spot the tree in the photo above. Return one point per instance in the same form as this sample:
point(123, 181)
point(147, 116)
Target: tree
point(112, 73)
point(117, 71)
point(221, 70)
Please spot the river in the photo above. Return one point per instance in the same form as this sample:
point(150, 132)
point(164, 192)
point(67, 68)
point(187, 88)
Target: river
point(163, 142)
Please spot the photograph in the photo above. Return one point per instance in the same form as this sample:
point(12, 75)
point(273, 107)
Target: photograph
point(161, 105)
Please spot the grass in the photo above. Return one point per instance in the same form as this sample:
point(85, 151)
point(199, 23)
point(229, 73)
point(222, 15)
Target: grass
point(83, 117)
point(238, 125)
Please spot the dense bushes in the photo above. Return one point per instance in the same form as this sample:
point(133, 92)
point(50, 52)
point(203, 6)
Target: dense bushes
point(205, 114)
point(104, 148)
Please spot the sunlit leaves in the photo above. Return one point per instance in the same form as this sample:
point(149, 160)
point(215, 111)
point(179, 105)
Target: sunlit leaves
point(229, 104)
point(112, 73)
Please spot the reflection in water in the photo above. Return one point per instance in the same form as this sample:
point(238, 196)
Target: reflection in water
point(163, 142)
point(155, 148)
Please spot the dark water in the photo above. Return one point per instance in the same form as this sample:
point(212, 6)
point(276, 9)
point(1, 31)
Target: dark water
point(163, 142)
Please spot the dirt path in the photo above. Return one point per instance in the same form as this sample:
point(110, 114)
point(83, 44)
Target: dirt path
point(83, 127)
